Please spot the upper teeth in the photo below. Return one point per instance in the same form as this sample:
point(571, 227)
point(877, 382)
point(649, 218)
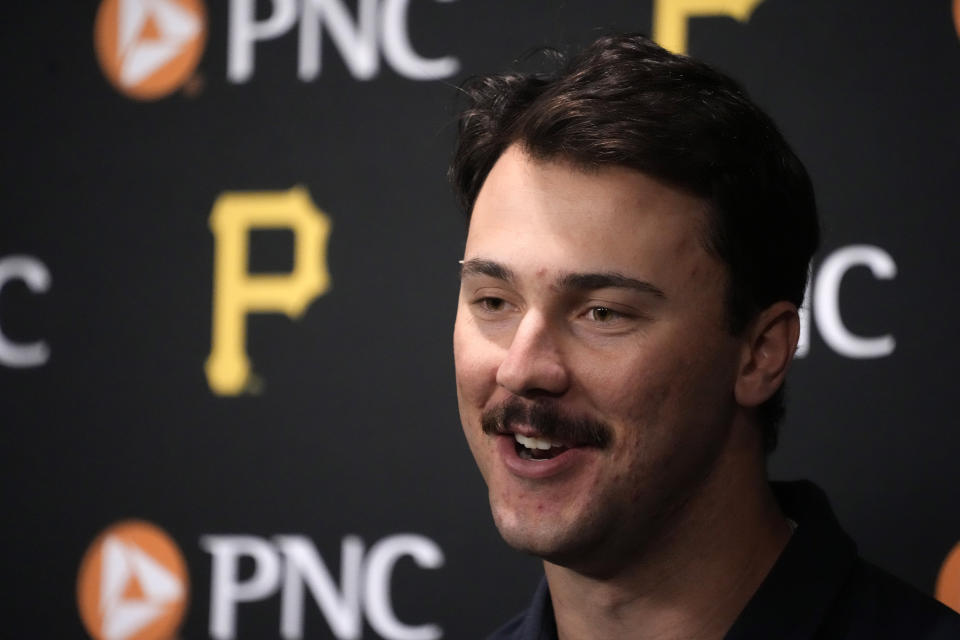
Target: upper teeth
point(535, 443)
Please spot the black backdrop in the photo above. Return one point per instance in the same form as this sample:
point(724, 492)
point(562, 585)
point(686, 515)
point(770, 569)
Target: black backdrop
point(349, 426)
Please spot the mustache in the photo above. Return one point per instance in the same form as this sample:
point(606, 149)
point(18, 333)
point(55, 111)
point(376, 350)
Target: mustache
point(547, 419)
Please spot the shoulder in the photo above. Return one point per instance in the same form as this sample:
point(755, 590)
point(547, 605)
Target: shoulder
point(510, 630)
point(821, 588)
point(534, 623)
point(876, 604)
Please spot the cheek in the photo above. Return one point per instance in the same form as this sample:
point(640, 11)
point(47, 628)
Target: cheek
point(469, 367)
point(685, 367)
point(475, 361)
point(634, 385)
point(661, 398)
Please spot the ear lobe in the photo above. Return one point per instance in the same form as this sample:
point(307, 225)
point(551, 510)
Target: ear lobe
point(770, 344)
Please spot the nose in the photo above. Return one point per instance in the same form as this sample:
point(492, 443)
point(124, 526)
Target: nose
point(534, 365)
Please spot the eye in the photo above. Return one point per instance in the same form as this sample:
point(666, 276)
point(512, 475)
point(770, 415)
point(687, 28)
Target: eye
point(491, 304)
point(603, 314)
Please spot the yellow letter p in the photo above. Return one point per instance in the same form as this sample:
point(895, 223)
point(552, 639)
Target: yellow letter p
point(670, 17)
point(236, 292)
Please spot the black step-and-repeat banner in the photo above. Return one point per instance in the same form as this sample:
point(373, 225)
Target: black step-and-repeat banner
point(228, 277)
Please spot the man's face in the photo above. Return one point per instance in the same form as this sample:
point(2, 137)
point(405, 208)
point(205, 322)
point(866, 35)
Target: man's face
point(590, 313)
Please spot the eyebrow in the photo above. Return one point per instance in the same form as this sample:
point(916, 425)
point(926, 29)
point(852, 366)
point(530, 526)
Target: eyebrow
point(568, 281)
point(607, 280)
point(481, 267)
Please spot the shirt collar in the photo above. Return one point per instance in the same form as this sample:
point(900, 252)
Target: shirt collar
point(539, 623)
point(795, 596)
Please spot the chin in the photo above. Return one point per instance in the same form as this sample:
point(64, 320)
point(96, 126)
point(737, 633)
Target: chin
point(542, 537)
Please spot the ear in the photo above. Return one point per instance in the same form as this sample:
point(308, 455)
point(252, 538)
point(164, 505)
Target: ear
point(770, 342)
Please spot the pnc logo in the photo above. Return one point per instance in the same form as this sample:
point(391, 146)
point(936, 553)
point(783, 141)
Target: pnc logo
point(149, 48)
point(132, 584)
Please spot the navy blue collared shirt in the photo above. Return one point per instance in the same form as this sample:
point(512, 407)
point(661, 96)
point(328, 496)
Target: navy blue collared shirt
point(819, 589)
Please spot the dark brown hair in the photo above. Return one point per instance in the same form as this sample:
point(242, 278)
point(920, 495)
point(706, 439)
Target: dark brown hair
point(626, 101)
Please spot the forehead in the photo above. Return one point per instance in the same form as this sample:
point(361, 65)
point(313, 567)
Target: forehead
point(552, 215)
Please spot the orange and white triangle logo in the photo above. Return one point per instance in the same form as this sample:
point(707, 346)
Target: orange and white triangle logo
point(148, 48)
point(948, 582)
point(132, 584)
point(134, 589)
point(151, 34)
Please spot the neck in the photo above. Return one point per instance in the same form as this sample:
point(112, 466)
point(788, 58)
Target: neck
point(694, 576)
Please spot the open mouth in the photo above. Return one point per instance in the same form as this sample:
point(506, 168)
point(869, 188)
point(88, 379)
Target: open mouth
point(531, 448)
